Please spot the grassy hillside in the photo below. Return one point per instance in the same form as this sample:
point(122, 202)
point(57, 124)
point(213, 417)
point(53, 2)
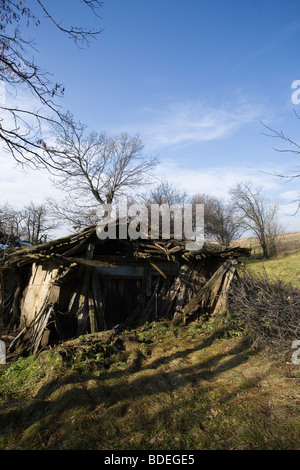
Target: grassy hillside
point(285, 242)
point(160, 387)
point(202, 386)
point(285, 266)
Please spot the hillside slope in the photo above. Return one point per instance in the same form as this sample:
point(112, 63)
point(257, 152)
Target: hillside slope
point(162, 386)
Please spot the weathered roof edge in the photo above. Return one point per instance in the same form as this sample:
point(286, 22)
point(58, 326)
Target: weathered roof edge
point(62, 250)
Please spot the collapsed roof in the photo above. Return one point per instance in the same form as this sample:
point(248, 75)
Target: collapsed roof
point(72, 249)
point(9, 243)
point(80, 284)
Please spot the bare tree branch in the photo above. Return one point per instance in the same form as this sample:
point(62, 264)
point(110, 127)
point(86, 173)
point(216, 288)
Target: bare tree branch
point(295, 147)
point(93, 169)
point(221, 222)
point(259, 214)
point(78, 34)
point(22, 130)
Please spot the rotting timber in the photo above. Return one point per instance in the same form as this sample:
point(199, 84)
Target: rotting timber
point(80, 284)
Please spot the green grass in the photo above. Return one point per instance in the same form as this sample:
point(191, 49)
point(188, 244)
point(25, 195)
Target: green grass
point(284, 267)
point(186, 387)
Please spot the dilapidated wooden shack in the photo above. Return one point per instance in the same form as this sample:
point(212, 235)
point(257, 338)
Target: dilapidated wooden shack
point(81, 284)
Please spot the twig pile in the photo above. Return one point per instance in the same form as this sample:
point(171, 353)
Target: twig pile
point(270, 311)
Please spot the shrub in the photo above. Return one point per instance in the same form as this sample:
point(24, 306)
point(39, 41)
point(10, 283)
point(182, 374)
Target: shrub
point(269, 310)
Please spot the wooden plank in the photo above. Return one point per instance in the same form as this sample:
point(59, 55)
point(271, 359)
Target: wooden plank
point(222, 300)
point(88, 262)
point(40, 328)
point(98, 301)
point(23, 333)
point(92, 314)
point(158, 270)
point(203, 294)
point(186, 276)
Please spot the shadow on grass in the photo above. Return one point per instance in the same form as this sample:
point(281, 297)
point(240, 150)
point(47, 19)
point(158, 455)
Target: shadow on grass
point(75, 391)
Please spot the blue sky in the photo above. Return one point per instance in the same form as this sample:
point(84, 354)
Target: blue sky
point(194, 78)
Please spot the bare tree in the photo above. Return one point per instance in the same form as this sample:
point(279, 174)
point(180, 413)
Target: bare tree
point(166, 193)
point(36, 223)
point(10, 220)
point(221, 222)
point(32, 223)
point(71, 215)
point(259, 214)
point(21, 130)
point(93, 169)
point(169, 200)
point(5, 211)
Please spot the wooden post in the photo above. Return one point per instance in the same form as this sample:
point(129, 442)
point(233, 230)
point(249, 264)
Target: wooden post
point(92, 313)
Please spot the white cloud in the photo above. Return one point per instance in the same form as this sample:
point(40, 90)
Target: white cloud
point(21, 186)
point(291, 195)
point(217, 181)
point(194, 122)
